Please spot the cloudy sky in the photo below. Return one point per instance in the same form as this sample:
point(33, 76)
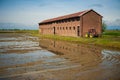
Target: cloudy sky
point(31, 12)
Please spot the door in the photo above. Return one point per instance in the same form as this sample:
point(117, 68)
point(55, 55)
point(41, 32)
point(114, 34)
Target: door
point(78, 30)
point(53, 30)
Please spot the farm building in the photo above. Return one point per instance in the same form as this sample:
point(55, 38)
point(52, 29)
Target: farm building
point(76, 24)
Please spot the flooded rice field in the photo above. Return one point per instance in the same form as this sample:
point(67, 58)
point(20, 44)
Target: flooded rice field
point(23, 57)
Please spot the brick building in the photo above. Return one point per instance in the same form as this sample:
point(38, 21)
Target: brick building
point(76, 24)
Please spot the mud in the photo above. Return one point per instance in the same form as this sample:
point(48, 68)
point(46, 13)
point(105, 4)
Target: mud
point(23, 57)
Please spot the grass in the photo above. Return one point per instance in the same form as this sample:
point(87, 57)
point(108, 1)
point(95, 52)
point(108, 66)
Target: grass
point(109, 38)
point(112, 32)
point(106, 41)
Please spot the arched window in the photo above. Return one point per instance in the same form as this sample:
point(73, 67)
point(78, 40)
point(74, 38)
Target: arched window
point(70, 28)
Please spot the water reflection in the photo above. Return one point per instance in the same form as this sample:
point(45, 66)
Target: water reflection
point(26, 54)
point(94, 60)
point(79, 53)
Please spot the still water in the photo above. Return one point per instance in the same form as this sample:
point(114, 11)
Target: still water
point(23, 56)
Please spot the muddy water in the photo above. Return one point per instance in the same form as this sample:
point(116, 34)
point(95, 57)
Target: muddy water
point(23, 57)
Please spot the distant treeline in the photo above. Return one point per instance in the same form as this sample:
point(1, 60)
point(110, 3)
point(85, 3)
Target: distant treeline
point(19, 31)
point(13, 29)
point(112, 29)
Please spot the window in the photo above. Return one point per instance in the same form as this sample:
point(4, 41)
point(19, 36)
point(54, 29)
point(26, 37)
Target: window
point(62, 21)
point(65, 20)
point(70, 28)
point(73, 19)
point(74, 28)
point(66, 28)
point(78, 19)
point(69, 20)
point(58, 28)
point(57, 22)
point(63, 28)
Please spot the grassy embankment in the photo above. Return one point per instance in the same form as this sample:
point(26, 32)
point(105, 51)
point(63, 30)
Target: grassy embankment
point(109, 38)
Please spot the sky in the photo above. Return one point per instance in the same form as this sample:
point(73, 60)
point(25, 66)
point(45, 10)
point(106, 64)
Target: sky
point(31, 12)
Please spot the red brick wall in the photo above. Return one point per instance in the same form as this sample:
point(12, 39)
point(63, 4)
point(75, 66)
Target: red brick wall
point(91, 20)
point(65, 28)
point(46, 29)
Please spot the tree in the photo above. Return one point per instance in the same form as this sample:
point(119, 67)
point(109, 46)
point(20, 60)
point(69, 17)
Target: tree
point(104, 26)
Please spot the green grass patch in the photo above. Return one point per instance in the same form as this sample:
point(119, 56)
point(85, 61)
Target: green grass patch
point(112, 32)
point(108, 39)
point(105, 40)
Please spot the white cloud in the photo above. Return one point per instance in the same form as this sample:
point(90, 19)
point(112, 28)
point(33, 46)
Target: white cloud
point(96, 5)
point(113, 22)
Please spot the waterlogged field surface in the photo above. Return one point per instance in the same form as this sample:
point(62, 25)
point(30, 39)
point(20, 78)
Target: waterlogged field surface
point(23, 57)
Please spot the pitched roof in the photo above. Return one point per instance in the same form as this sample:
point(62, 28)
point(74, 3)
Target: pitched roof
point(78, 14)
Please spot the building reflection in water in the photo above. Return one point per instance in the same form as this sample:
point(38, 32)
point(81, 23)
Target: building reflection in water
point(76, 53)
